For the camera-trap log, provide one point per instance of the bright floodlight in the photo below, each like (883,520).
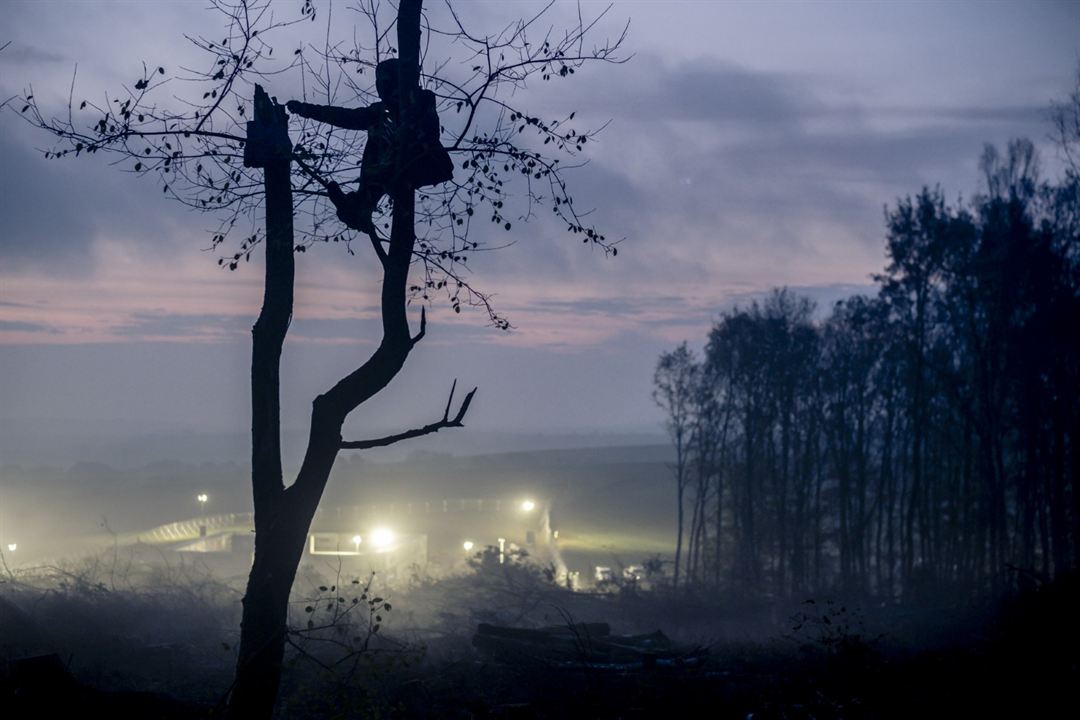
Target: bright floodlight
(381,537)
(12,547)
(528,506)
(202,497)
(468,545)
(356,539)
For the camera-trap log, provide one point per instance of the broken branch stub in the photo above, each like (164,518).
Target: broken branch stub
(268,133)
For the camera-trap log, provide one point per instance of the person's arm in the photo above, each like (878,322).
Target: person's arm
(348,118)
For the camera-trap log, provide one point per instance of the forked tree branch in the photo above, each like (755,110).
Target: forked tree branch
(423,331)
(434,427)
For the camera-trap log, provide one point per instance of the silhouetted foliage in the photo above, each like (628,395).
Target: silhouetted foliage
(187,129)
(922,441)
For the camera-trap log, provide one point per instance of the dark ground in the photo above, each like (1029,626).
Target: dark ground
(160,646)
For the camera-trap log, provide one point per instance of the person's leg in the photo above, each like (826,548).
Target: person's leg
(355,208)
(365,200)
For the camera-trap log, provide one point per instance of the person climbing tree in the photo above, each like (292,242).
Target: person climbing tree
(427,163)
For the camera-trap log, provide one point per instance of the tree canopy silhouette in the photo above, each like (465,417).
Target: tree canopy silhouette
(914,445)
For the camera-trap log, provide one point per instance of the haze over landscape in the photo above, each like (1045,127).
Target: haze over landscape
(770,310)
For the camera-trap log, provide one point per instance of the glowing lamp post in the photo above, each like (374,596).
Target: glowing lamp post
(382,538)
(528,506)
(203,498)
(12,547)
(468,545)
(356,539)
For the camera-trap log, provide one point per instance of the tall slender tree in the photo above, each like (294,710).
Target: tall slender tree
(675,385)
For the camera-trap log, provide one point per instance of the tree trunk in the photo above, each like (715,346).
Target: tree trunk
(680,471)
(283,516)
(265,604)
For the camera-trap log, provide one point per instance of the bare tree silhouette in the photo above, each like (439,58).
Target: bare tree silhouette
(209,155)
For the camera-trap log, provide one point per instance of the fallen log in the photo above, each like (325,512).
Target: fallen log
(584,645)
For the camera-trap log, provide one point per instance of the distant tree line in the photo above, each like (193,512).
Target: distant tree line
(923,440)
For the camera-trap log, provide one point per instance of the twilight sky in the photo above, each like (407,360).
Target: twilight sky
(751,145)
